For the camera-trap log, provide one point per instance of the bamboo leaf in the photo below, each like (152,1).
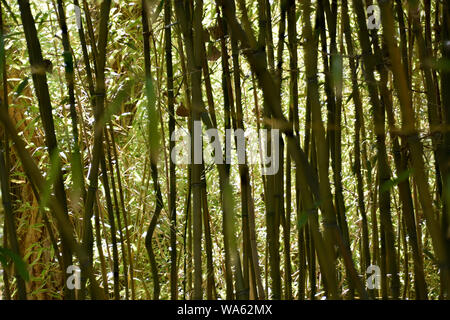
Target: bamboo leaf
(115,105)
(21,266)
(395,181)
(21,86)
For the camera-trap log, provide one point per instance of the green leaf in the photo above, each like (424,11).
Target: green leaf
(22,86)
(302,220)
(116,104)
(395,181)
(304,215)
(20,265)
(3,259)
(441,64)
(68,62)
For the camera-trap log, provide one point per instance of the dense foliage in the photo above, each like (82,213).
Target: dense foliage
(95,207)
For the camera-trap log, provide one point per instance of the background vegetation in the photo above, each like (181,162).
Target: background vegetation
(91,92)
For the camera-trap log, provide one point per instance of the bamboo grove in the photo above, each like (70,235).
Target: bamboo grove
(95,207)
